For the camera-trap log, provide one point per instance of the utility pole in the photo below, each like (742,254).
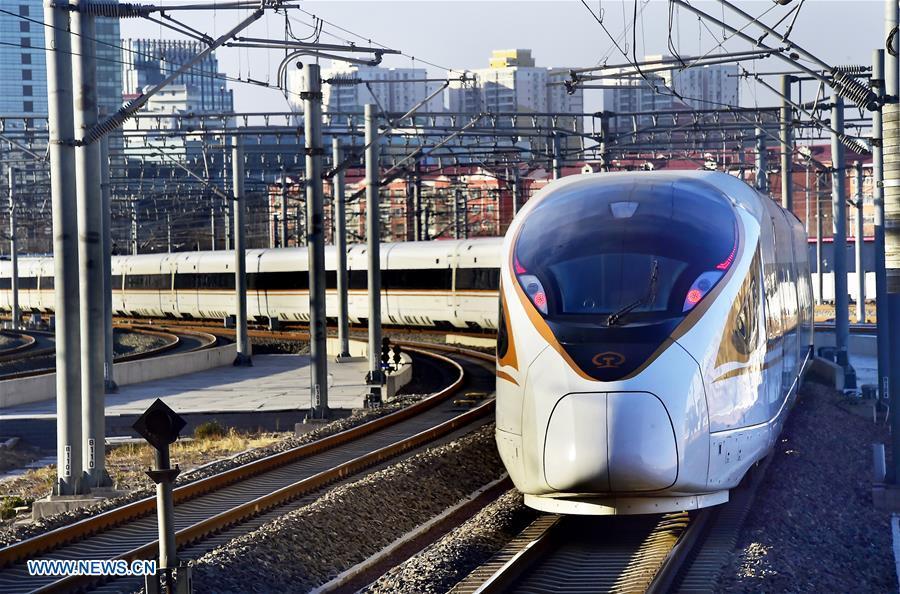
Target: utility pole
(340,245)
(806,200)
(13,250)
(516,191)
(60,100)
(556,163)
(417,203)
(373,239)
(839,244)
(284,209)
(240,257)
(134,228)
(212,226)
(169,233)
(762,175)
(881,309)
(227,203)
(457,220)
(891,148)
(109,381)
(820,228)
(315,230)
(858,245)
(787,145)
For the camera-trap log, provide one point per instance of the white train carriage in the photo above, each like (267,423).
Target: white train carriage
(654,330)
(444,284)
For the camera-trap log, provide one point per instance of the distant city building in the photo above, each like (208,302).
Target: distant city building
(23,67)
(396,90)
(702,87)
(149,61)
(514,83)
(200,90)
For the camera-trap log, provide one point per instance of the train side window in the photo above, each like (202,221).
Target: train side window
(28,282)
(6,283)
(502,332)
(359,279)
(482,279)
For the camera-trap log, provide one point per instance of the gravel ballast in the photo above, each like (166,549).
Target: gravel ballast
(310,546)
(813,527)
(23,531)
(440,566)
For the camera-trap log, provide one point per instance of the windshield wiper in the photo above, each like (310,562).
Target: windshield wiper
(614,318)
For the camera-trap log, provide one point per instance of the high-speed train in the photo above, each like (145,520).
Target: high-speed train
(445,284)
(653,331)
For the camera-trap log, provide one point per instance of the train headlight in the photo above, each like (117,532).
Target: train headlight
(535,291)
(700,288)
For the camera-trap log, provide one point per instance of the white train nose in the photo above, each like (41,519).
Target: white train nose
(632,429)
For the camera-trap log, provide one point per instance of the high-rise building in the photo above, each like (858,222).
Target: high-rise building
(23,67)
(701,87)
(199,90)
(149,61)
(514,83)
(396,90)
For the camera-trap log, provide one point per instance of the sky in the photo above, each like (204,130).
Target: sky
(460,34)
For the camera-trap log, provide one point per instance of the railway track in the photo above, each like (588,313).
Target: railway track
(661,553)
(215,509)
(38,356)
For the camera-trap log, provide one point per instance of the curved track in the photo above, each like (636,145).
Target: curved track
(39,358)
(238,500)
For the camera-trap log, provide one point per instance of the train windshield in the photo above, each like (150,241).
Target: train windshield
(625,254)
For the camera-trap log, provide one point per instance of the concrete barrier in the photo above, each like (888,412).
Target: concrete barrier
(865,345)
(359,350)
(43,387)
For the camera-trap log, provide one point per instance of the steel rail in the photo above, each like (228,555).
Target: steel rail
(69,534)
(28,342)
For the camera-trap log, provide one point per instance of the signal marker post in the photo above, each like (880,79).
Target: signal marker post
(160,426)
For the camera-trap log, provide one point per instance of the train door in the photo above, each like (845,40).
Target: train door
(788,289)
(256,296)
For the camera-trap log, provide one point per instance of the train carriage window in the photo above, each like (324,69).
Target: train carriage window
(359,280)
(291,280)
(47,283)
(148,282)
(28,282)
(6,283)
(482,279)
(417,279)
(204,281)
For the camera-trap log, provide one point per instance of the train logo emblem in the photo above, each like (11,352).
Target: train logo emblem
(608,360)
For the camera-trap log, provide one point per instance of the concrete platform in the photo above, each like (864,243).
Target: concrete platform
(275,382)
(273,395)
